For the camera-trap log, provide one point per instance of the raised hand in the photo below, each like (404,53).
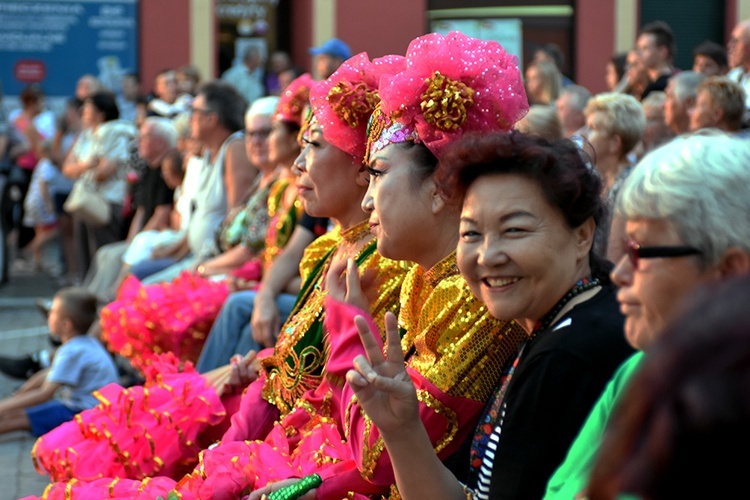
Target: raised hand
(383,387)
(344,284)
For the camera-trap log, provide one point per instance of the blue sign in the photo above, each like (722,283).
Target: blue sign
(56,42)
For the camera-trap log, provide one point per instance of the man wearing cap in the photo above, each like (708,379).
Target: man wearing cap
(328,57)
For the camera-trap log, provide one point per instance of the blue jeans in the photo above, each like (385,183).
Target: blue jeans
(144,269)
(231,333)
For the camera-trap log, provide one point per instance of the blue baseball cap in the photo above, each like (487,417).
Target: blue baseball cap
(333,47)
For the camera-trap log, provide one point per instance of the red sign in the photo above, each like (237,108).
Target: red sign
(29,71)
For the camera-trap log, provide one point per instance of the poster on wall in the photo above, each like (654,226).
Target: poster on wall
(53,43)
(507,32)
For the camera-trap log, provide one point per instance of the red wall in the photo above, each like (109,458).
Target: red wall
(164,37)
(595,28)
(382,27)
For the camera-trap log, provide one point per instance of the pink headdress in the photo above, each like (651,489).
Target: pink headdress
(452,84)
(343,103)
(294,98)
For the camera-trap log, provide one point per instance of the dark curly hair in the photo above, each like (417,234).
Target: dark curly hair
(557,167)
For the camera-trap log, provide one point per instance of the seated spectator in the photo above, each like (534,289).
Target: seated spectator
(710,59)
(223,182)
(738,49)
(657,132)
(615,125)
(80,366)
(541,120)
(153,204)
(680,99)
(719,103)
(570,109)
(685,209)
(688,401)
(278,63)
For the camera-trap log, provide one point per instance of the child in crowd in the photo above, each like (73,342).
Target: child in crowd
(39,206)
(80,366)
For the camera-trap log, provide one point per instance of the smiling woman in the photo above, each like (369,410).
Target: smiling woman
(530,209)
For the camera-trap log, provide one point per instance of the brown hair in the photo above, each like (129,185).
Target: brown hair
(79,306)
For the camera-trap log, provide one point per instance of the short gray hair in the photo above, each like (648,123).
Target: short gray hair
(579,96)
(699,184)
(164,128)
(685,83)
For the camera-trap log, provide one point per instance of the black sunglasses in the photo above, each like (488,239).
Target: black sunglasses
(635,252)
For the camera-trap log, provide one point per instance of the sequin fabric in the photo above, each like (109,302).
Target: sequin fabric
(284,210)
(454,84)
(299,356)
(454,341)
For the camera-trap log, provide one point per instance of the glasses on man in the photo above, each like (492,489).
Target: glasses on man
(262,133)
(636,252)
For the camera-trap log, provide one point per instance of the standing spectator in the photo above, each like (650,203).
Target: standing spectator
(247,76)
(710,58)
(719,103)
(656,48)
(570,108)
(551,52)
(635,80)
(130,92)
(165,101)
(679,99)
(738,49)
(543,82)
(4,170)
(39,207)
(328,57)
(188,79)
(279,62)
(87,85)
(99,155)
(614,71)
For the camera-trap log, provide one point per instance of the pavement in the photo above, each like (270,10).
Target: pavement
(22,330)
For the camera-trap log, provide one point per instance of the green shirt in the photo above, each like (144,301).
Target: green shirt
(572,476)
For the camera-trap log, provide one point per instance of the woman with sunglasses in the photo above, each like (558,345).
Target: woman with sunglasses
(685,208)
(530,210)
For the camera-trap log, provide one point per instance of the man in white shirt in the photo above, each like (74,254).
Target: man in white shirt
(738,49)
(247,77)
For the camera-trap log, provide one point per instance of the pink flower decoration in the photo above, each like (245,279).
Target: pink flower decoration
(343,103)
(455,84)
(293,100)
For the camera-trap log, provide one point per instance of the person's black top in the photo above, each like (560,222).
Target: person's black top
(658,84)
(316,225)
(152,192)
(559,378)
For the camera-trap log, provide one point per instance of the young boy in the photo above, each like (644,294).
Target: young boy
(80,366)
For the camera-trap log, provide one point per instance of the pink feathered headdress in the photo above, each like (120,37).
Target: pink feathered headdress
(294,98)
(343,103)
(452,84)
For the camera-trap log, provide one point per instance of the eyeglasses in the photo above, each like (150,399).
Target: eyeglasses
(262,133)
(635,252)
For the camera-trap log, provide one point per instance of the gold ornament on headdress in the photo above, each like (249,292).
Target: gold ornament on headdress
(306,121)
(445,102)
(352,103)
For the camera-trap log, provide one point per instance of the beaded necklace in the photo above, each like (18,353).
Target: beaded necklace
(545,321)
(494,411)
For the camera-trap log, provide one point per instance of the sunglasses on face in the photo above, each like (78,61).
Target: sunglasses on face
(636,252)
